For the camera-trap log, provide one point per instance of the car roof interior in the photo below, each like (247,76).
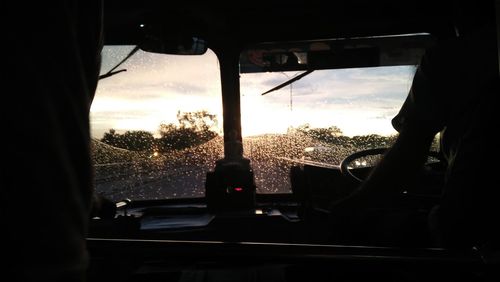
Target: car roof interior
(263,21)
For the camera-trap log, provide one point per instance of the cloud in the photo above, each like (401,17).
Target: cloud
(359,101)
(156,86)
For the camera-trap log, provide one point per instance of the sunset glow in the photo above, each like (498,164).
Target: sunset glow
(155,87)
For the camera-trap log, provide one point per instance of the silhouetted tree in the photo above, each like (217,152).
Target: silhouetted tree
(193,128)
(334,136)
(138,140)
(372,141)
(112,138)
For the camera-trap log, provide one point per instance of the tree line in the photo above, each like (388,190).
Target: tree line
(334,136)
(195,128)
(192,129)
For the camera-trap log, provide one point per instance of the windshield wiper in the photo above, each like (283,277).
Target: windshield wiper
(112,71)
(290,81)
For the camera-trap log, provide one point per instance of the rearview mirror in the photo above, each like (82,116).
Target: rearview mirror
(157,39)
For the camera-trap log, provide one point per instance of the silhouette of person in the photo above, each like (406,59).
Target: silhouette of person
(452,94)
(51,68)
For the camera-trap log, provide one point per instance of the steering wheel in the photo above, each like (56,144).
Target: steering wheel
(344,165)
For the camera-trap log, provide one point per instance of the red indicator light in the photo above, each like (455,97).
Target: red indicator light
(238,189)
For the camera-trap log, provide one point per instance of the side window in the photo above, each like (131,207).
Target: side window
(156,126)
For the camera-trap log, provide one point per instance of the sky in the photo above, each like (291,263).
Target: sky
(156,86)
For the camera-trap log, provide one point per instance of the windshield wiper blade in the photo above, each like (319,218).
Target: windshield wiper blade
(111,72)
(290,81)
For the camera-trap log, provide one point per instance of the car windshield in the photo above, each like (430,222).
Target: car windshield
(156,126)
(319,119)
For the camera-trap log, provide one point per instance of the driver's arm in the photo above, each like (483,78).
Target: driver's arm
(401,163)
(399,166)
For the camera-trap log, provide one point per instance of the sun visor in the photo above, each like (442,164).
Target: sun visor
(335,53)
